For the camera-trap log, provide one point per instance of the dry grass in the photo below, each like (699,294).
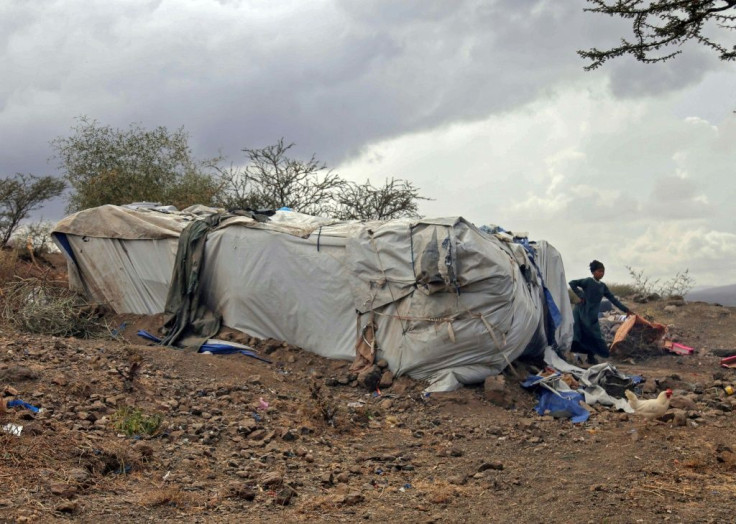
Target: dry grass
(438,491)
(8,265)
(167,496)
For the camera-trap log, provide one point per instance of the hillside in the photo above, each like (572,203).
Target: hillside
(297,440)
(724,295)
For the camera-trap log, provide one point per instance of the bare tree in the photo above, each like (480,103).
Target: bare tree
(272,180)
(21,194)
(661,25)
(395,199)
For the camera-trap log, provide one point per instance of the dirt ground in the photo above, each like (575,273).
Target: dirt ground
(296,440)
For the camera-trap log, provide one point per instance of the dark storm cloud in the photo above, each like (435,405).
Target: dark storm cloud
(330,76)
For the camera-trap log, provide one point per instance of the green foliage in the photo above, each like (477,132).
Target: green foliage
(662,25)
(21,194)
(271,180)
(678,285)
(132,421)
(111,166)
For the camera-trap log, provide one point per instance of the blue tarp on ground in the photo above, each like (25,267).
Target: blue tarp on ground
(214,348)
(559,404)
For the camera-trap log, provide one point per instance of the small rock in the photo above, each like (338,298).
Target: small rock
(458,480)
(386,403)
(283,497)
(369,378)
(290,435)
(343,477)
(258,434)
(327,479)
(382,363)
(494,390)
(79,475)
(243,492)
(682,402)
(494,465)
(387,379)
(272,479)
(271,345)
(67,507)
(352,499)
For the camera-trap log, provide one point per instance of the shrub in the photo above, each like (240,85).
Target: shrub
(132,421)
(105,165)
(678,285)
(35,235)
(37,306)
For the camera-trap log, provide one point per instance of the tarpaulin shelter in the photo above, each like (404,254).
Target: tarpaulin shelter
(438,299)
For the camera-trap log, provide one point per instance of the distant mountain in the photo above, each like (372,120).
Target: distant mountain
(724,295)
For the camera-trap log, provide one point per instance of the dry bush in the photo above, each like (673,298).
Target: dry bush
(109,458)
(8,265)
(34,305)
(325,408)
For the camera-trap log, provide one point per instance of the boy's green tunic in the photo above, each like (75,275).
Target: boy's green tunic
(587,336)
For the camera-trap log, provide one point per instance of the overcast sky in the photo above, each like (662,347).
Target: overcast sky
(482,104)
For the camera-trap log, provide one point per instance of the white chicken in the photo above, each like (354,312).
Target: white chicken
(652,408)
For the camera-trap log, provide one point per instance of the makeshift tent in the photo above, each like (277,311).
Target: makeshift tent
(438,299)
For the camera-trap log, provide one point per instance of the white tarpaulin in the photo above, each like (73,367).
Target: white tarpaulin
(450,303)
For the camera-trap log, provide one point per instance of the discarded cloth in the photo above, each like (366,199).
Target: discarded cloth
(590,380)
(556,399)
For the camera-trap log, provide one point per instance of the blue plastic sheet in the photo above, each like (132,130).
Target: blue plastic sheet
(562,404)
(559,404)
(214,348)
(20,403)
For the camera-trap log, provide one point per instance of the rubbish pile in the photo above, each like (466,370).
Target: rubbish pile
(564,390)
(635,336)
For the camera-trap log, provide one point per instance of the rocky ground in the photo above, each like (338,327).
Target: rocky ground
(133,432)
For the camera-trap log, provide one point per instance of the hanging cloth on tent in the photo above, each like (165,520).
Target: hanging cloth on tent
(185,315)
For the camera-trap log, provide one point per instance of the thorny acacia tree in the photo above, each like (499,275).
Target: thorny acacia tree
(661,25)
(271,180)
(395,199)
(21,194)
(105,165)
